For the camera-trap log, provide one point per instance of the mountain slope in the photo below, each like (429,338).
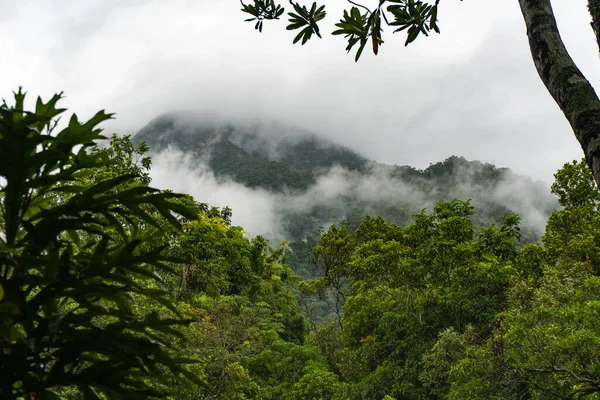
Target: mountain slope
(248,156)
(316,182)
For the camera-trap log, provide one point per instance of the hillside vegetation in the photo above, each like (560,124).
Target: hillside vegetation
(316,183)
(110,289)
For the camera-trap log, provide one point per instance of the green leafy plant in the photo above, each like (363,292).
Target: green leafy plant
(261,10)
(71,268)
(416,16)
(355,28)
(358,27)
(302,17)
(307,20)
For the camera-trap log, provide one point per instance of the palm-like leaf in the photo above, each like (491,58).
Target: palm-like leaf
(71,265)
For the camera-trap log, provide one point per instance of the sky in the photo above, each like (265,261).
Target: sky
(472,91)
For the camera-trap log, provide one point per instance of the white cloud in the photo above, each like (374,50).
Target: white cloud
(264,212)
(472,91)
(253,209)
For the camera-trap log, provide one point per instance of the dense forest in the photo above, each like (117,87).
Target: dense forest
(110,289)
(313,183)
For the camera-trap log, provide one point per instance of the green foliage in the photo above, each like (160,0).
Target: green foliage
(301,164)
(70,265)
(317,384)
(112,289)
(545,344)
(307,20)
(401,288)
(545,347)
(357,28)
(436,308)
(574,186)
(574,232)
(439,359)
(441,309)
(261,10)
(302,17)
(414,16)
(126,159)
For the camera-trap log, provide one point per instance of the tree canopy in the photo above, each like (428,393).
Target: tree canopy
(110,289)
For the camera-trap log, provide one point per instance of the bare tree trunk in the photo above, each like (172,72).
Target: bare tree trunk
(570,89)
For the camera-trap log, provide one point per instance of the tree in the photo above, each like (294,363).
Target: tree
(126,159)
(544,344)
(573,233)
(71,266)
(402,290)
(360,25)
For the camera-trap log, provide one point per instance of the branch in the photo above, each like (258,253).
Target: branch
(360,5)
(553,369)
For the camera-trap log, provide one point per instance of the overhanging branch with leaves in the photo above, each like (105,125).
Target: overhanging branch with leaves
(359,25)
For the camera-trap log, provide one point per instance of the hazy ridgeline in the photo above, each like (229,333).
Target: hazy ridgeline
(286,183)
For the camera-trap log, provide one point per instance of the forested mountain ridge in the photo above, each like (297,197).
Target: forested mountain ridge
(112,289)
(319,182)
(246,155)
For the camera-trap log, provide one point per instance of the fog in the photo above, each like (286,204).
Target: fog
(252,209)
(471,91)
(260,211)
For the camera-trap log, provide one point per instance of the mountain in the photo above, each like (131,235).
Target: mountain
(274,160)
(316,182)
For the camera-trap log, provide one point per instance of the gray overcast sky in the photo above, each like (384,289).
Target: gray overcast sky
(472,91)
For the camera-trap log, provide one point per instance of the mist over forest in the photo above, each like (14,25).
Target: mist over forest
(284,183)
(296,200)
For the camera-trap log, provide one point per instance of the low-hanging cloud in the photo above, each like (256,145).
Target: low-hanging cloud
(253,209)
(471,91)
(263,212)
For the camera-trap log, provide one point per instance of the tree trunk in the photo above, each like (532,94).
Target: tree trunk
(594,8)
(572,92)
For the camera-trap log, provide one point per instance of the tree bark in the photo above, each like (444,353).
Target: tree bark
(570,89)
(594,9)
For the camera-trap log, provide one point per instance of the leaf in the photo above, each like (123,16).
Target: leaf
(412,35)
(106,185)
(306,19)
(262,10)
(363,42)
(71,257)
(433,17)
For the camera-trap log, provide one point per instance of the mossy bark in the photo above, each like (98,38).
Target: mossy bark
(568,86)
(594,8)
